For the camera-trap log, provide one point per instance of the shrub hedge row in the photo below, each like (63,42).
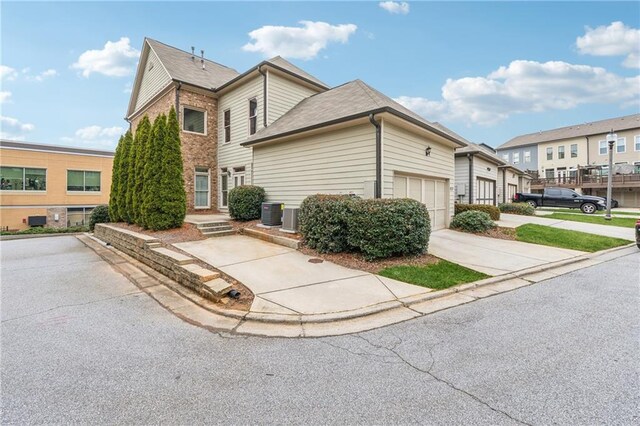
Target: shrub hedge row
(517,208)
(245,202)
(472,221)
(377,228)
(492,211)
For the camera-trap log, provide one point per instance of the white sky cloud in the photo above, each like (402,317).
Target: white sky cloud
(297,42)
(12,128)
(525,87)
(395,7)
(5,97)
(616,39)
(7,73)
(94,137)
(116,59)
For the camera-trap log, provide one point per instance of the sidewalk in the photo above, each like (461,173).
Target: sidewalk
(513,221)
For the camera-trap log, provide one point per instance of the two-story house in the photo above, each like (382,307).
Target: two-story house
(279,127)
(577,157)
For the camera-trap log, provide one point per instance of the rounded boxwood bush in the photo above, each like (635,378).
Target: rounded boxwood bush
(517,208)
(323,222)
(472,221)
(389,227)
(100,214)
(245,202)
(492,211)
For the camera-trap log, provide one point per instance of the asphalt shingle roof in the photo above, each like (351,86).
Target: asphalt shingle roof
(284,64)
(585,129)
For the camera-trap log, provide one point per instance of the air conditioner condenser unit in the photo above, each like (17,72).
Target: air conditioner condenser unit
(290,221)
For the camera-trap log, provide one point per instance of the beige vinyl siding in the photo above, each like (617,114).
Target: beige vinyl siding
(337,162)
(153,81)
(481,170)
(503,185)
(404,153)
(282,95)
(462,179)
(231,154)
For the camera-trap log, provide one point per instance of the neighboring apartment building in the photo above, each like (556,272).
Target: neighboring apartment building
(51,185)
(577,157)
(279,127)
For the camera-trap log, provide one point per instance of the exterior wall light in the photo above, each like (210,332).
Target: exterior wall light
(611,139)
(427,151)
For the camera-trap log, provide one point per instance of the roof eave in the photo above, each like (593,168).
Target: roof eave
(267,63)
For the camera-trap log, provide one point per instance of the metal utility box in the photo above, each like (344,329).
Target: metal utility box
(290,220)
(272,214)
(37,220)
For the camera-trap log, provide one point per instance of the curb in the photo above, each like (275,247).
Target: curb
(27,236)
(196,310)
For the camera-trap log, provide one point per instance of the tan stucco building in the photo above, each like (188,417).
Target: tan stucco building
(51,185)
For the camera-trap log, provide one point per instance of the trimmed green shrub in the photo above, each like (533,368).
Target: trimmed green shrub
(123,180)
(492,211)
(100,214)
(245,202)
(143,133)
(323,222)
(151,205)
(46,230)
(115,182)
(389,227)
(174,197)
(472,221)
(517,208)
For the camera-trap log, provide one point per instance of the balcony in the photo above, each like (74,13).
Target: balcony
(588,181)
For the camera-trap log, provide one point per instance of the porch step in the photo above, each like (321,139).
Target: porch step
(216,228)
(222,233)
(213,224)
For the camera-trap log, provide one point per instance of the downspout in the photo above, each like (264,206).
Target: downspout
(587,138)
(178,99)
(264,96)
(470,157)
(504,186)
(378,192)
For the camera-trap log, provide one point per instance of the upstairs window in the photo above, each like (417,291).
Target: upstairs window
(516,158)
(621,145)
(227,125)
(574,150)
(637,143)
(527,157)
(561,152)
(549,153)
(193,121)
(602,147)
(23,179)
(505,157)
(253,116)
(83,181)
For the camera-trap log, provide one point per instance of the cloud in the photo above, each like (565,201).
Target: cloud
(525,87)
(94,136)
(46,74)
(12,128)
(297,42)
(5,97)
(116,59)
(615,40)
(395,7)
(7,73)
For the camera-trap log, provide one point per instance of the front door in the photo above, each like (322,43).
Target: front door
(238,179)
(202,188)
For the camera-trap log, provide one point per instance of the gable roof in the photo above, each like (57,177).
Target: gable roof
(343,103)
(576,130)
(478,149)
(280,62)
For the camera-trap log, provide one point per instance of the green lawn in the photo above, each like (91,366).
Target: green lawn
(436,276)
(625,222)
(548,236)
(598,212)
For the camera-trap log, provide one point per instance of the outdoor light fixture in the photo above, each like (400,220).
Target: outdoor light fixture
(611,139)
(428,151)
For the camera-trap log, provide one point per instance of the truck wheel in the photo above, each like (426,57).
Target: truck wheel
(588,208)
(532,203)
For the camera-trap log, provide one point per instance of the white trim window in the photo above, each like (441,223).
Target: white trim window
(202,185)
(561,152)
(636,140)
(23,179)
(83,181)
(527,157)
(550,153)
(621,145)
(194,120)
(505,157)
(227,126)
(253,115)
(224,188)
(516,158)
(574,150)
(602,147)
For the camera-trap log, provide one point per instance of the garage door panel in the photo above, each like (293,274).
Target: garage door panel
(399,187)
(433,193)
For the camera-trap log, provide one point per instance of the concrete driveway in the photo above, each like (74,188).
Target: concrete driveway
(285,282)
(513,221)
(493,256)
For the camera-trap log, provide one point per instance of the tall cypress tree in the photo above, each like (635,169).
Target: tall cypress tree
(173,196)
(140,147)
(152,204)
(123,183)
(131,179)
(114,214)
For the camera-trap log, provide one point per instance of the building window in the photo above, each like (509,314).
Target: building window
(527,157)
(574,150)
(83,181)
(23,179)
(78,216)
(253,116)
(549,153)
(224,187)
(505,157)
(549,173)
(561,152)
(621,145)
(516,158)
(602,147)
(194,121)
(227,125)
(202,188)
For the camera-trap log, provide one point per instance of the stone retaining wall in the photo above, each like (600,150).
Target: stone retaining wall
(177,266)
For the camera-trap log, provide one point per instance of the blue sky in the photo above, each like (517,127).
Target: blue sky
(488,70)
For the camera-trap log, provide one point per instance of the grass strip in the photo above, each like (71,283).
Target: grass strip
(563,238)
(625,222)
(598,212)
(437,276)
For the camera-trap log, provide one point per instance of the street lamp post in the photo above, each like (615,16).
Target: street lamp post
(611,139)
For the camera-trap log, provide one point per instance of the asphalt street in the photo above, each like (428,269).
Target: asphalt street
(81,344)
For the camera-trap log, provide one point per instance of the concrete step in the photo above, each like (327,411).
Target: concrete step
(213,224)
(201,274)
(218,286)
(211,234)
(173,256)
(216,228)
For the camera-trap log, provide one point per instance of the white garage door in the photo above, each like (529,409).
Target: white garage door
(432,192)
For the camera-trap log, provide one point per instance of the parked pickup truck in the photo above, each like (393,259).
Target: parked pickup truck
(562,197)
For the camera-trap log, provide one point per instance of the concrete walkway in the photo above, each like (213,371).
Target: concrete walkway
(513,221)
(493,256)
(285,282)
